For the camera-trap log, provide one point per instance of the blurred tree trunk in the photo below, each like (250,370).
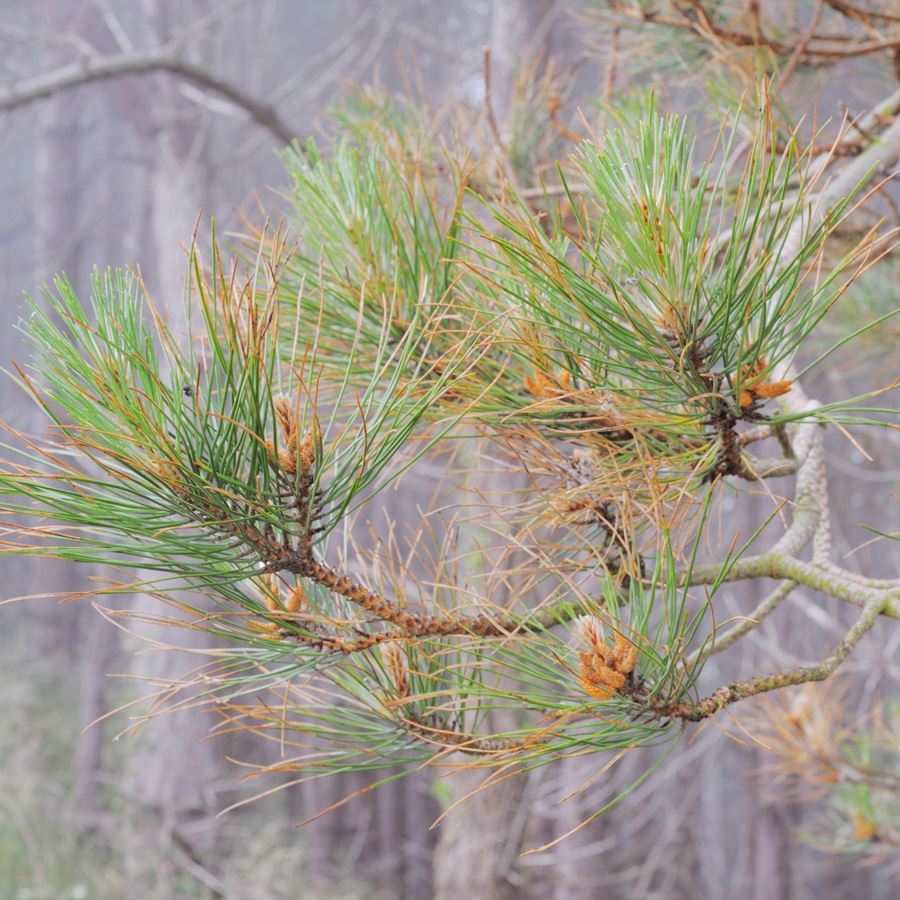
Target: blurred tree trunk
(87,641)
(56,244)
(521,36)
(99,648)
(387,833)
(479,841)
(56,202)
(174,765)
(771,851)
(479,845)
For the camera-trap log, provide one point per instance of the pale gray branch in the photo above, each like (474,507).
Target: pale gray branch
(809,524)
(763,609)
(876,159)
(832,582)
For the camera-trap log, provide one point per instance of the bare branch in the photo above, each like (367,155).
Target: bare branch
(809,524)
(759,469)
(102,68)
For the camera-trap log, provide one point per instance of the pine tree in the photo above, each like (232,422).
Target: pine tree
(624,328)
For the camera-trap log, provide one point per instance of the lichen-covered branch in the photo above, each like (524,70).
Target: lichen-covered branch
(833,582)
(809,524)
(741,690)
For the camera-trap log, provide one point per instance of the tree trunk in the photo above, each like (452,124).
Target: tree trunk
(479,843)
(174,765)
(80,640)
(520,37)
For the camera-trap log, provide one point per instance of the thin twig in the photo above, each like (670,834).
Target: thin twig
(832,582)
(763,609)
(489,104)
(609,79)
(802,44)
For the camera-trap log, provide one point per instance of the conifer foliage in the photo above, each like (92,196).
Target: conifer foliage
(624,333)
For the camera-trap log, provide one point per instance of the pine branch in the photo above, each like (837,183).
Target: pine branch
(418,624)
(809,523)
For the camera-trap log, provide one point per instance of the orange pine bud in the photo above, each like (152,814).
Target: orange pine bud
(598,692)
(285,414)
(544,387)
(296,599)
(272,596)
(395,660)
(537,386)
(604,670)
(592,690)
(863,828)
(626,654)
(306,452)
(608,677)
(589,628)
(287,461)
(772,389)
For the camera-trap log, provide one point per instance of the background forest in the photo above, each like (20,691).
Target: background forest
(180,121)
